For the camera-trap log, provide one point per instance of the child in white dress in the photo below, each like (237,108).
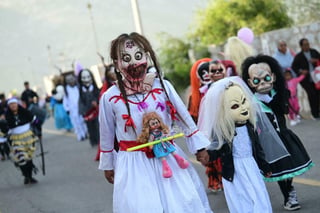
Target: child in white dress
(139,186)
(232,123)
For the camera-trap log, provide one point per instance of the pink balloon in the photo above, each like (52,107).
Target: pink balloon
(246,35)
(77,68)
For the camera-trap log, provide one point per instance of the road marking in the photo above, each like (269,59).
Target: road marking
(56,132)
(306,181)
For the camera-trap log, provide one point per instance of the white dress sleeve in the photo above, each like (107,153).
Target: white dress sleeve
(107,134)
(194,138)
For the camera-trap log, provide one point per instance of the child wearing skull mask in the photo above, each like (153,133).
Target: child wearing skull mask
(88,104)
(264,76)
(71,105)
(235,128)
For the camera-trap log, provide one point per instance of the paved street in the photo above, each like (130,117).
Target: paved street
(73,184)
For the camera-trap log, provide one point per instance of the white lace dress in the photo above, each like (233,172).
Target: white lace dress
(139,186)
(247,193)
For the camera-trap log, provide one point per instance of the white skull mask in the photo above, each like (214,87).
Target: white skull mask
(86,78)
(133,62)
(261,78)
(203,73)
(237,104)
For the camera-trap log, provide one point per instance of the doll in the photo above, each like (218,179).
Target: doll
(231,124)
(264,76)
(155,129)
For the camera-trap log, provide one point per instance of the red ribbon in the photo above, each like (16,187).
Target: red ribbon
(129,122)
(173,110)
(117,97)
(157,90)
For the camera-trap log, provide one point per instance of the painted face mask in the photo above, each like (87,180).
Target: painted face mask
(237,104)
(261,78)
(71,80)
(133,62)
(86,78)
(217,71)
(203,73)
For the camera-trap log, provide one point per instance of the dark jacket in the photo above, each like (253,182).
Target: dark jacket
(28,95)
(3,127)
(23,117)
(300,62)
(227,158)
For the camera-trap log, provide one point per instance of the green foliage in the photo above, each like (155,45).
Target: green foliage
(303,11)
(222,19)
(213,25)
(175,61)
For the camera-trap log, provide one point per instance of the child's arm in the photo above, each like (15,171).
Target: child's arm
(300,78)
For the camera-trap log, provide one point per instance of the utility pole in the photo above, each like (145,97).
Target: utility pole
(136,16)
(89,6)
(50,62)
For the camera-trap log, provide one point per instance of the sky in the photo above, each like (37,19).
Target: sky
(37,35)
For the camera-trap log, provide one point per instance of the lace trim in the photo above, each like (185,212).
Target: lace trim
(291,175)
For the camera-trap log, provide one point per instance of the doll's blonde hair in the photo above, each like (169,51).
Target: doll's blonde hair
(237,51)
(144,136)
(223,124)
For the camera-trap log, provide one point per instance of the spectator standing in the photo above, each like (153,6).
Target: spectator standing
(284,56)
(304,63)
(28,95)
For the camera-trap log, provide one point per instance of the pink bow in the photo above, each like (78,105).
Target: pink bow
(161,106)
(142,105)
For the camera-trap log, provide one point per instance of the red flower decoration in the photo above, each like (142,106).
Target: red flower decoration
(172,110)
(129,122)
(157,91)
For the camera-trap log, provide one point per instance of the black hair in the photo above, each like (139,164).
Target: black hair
(95,87)
(279,85)
(301,41)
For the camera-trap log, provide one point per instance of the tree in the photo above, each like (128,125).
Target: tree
(175,61)
(222,19)
(303,11)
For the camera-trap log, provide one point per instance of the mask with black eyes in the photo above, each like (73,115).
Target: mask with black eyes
(237,105)
(203,73)
(133,62)
(261,78)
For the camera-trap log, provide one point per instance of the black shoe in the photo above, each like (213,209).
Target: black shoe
(33,181)
(292,206)
(26,180)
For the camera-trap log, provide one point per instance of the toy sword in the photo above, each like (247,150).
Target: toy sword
(155,142)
